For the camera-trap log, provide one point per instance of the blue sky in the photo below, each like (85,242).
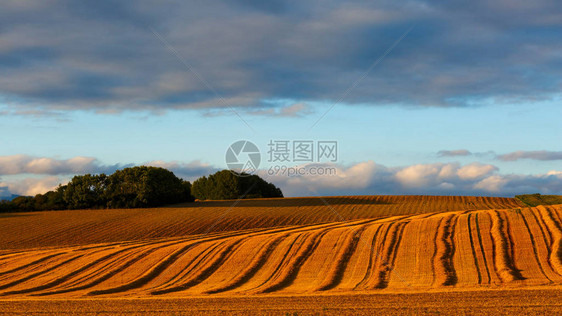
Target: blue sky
(93,87)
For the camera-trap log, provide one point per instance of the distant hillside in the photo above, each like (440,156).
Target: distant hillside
(539,199)
(440,251)
(81,227)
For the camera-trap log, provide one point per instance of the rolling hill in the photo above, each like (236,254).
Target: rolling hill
(425,249)
(392,254)
(82,227)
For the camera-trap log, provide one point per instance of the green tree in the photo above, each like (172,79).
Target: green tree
(87,191)
(145,187)
(23,203)
(225,185)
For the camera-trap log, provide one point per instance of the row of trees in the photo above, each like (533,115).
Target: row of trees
(127,188)
(142,187)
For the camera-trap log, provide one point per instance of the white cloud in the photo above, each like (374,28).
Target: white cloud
(24,164)
(365,177)
(437,178)
(419,175)
(475,171)
(492,183)
(28,175)
(33,186)
(188,171)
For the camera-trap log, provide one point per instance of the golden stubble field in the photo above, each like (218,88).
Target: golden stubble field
(405,254)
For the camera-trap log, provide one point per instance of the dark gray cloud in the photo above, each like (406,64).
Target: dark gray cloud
(543,155)
(102,55)
(454,153)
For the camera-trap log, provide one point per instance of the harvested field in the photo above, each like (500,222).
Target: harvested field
(505,259)
(488,302)
(449,250)
(58,228)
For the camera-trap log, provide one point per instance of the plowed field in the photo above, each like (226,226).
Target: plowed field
(342,247)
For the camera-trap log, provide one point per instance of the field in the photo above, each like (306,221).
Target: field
(301,254)
(57,228)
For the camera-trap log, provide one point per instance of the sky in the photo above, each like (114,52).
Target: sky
(421,97)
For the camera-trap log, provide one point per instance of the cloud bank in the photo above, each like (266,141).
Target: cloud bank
(454,153)
(26,175)
(436,178)
(103,56)
(29,175)
(24,164)
(541,155)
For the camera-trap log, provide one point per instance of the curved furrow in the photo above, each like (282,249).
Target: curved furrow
(185,265)
(319,264)
(534,243)
(31,265)
(445,273)
(101,266)
(186,271)
(40,273)
(289,273)
(150,274)
(110,268)
(555,230)
(188,264)
(414,263)
(482,251)
(387,263)
(170,259)
(19,258)
(206,270)
(257,263)
(283,259)
(383,260)
(69,275)
(276,263)
(103,276)
(470,233)
(502,245)
(359,261)
(377,244)
(335,275)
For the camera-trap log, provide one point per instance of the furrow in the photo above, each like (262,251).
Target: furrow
(556,232)
(206,271)
(67,276)
(289,274)
(336,273)
(444,267)
(148,275)
(503,258)
(472,247)
(256,264)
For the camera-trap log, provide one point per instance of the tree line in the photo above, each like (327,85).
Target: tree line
(139,187)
